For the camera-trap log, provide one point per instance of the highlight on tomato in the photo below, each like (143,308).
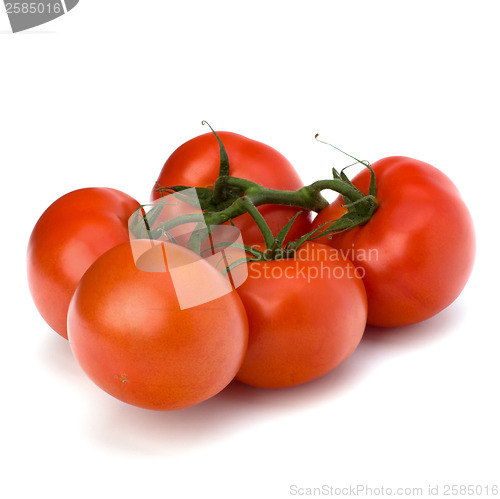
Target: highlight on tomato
(69,236)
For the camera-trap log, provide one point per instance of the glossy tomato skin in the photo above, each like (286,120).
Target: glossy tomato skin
(70,235)
(417,251)
(196,164)
(130,336)
(306,316)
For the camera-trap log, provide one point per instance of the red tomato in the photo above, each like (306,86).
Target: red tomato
(130,336)
(196,164)
(306,315)
(73,232)
(417,251)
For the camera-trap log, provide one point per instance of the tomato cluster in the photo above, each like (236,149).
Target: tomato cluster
(306,298)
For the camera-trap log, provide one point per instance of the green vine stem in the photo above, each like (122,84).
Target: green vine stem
(233,197)
(360,208)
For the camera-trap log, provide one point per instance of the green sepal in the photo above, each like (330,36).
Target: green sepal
(335,173)
(224,159)
(280,238)
(152,215)
(347,221)
(198,235)
(205,197)
(142,226)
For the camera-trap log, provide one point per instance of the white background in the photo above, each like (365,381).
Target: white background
(102,96)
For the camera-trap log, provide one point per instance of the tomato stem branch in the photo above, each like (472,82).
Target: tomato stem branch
(252,210)
(249,195)
(233,196)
